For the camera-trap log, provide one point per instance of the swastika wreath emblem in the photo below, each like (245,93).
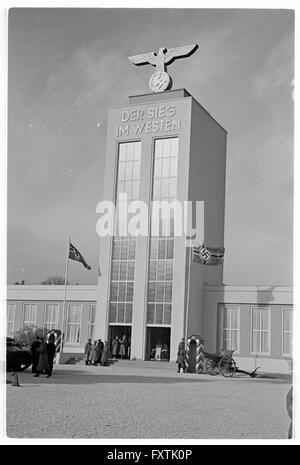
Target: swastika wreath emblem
(205,254)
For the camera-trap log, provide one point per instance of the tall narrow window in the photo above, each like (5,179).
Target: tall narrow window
(230,328)
(160,275)
(73,323)
(124,247)
(91,322)
(51,316)
(29,315)
(260,328)
(10,319)
(287,331)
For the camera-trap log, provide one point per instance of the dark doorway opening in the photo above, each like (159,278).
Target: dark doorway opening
(158,343)
(119,331)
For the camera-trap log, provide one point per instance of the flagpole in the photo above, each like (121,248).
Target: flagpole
(188,292)
(65,297)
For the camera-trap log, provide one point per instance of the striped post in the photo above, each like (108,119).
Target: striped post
(187,354)
(201,356)
(199,366)
(57,342)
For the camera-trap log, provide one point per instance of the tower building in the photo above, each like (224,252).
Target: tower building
(161,146)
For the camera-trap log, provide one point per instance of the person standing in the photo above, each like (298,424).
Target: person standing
(99,349)
(123,347)
(94,354)
(43,364)
(51,349)
(115,347)
(104,358)
(35,354)
(87,352)
(181,355)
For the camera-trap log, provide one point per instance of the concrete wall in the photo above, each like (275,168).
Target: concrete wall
(147,118)
(207,173)
(276,298)
(213,297)
(42,295)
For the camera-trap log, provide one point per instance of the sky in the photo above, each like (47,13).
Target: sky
(67,67)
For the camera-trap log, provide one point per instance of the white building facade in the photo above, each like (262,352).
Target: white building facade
(255,322)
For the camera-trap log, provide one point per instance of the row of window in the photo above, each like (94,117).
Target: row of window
(51,319)
(160,281)
(161,259)
(159,313)
(124,248)
(260,329)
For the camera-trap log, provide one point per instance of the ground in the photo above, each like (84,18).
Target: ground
(140,400)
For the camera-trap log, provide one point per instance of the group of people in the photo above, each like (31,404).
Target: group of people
(96,353)
(43,353)
(120,347)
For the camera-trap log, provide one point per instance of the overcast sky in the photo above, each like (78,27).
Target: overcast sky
(67,67)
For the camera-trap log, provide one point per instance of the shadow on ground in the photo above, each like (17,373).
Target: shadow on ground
(81,377)
(283,377)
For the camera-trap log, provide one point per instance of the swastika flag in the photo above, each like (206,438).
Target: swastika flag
(208,255)
(74,254)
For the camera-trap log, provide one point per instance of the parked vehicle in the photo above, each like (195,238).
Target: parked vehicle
(18,357)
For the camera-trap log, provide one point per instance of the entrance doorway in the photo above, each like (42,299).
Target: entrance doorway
(119,331)
(158,343)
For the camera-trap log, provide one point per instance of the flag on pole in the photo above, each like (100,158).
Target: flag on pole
(208,255)
(74,254)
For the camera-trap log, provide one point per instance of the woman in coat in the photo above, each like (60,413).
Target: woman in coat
(35,354)
(94,354)
(99,350)
(123,347)
(43,364)
(115,347)
(51,349)
(87,352)
(104,358)
(181,355)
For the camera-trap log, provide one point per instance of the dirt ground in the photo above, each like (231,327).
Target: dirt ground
(140,400)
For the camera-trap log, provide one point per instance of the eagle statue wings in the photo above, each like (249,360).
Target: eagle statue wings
(163,57)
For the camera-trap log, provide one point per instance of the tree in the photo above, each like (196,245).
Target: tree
(26,336)
(55,280)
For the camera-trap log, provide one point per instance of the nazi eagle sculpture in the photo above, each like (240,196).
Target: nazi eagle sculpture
(161,80)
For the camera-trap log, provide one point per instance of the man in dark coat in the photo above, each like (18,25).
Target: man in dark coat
(99,350)
(43,364)
(35,354)
(181,354)
(115,347)
(104,358)
(51,349)
(87,351)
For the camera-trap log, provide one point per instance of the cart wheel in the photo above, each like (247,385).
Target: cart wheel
(227,367)
(212,367)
